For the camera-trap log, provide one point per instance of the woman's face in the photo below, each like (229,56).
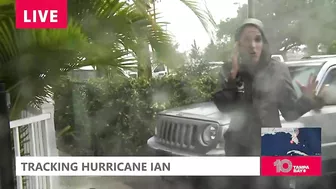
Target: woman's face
(251,44)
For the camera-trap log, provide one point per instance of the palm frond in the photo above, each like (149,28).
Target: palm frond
(31,60)
(204,16)
(103,33)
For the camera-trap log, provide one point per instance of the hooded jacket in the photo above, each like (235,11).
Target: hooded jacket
(256,95)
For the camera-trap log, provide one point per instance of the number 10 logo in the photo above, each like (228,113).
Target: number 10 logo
(279,164)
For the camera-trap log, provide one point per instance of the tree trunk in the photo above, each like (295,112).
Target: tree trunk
(148,68)
(6,158)
(144,64)
(251,13)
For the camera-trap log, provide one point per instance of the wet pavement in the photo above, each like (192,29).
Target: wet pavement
(93,182)
(118,183)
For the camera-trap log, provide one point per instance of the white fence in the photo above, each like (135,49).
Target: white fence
(34,135)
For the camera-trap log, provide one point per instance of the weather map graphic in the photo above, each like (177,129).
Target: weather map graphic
(291,142)
(291,151)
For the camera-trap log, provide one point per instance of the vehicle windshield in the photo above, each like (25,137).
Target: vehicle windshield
(159,68)
(301,74)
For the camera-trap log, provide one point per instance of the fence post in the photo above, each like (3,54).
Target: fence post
(50,134)
(6,156)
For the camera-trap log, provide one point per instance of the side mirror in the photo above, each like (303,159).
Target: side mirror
(328,94)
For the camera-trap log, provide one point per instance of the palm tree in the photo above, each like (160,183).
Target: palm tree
(204,17)
(32,59)
(103,33)
(123,25)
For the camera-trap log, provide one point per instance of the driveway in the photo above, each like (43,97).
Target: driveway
(118,183)
(85,182)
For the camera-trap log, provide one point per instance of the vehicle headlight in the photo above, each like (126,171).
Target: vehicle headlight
(209,134)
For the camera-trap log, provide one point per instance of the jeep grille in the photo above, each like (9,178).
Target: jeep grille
(179,132)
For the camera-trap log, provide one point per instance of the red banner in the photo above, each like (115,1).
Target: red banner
(291,166)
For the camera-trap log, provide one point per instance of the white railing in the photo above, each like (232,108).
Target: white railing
(34,135)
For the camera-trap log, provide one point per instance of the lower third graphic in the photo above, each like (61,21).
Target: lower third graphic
(286,166)
(291,151)
(291,166)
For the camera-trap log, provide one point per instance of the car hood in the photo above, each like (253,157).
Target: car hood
(203,111)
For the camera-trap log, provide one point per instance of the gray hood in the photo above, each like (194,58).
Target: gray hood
(250,21)
(202,111)
(265,57)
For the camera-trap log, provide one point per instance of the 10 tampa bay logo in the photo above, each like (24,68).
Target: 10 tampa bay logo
(291,166)
(286,166)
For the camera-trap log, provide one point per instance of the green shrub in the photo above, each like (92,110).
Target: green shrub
(116,117)
(332,48)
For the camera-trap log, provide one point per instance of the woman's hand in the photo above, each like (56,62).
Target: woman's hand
(235,59)
(310,89)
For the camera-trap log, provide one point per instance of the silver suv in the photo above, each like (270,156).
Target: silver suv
(198,129)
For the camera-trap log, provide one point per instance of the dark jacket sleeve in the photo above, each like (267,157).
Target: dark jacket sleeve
(226,95)
(290,105)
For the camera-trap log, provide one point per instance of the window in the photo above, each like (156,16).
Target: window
(330,87)
(160,68)
(301,74)
(331,78)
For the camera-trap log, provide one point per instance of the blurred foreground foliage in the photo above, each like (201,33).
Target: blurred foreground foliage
(116,116)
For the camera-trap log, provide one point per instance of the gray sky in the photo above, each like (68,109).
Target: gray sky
(185,26)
